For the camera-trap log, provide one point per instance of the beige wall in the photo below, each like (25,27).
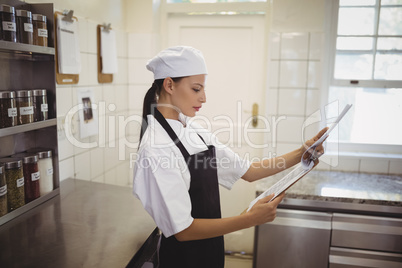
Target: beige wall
(296,15)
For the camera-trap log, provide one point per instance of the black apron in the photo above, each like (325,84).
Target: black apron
(205,202)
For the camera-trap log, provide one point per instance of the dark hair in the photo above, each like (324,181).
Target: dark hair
(150,101)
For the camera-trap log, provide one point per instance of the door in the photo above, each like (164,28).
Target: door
(234,50)
(296,238)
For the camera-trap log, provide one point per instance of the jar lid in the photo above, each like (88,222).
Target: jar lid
(7,94)
(39,17)
(23,13)
(11,162)
(39,92)
(24,93)
(7,8)
(45,154)
(30,159)
(27,158)
(41,152)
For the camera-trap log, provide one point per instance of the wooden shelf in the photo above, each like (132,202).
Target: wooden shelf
(27,127)
(25,48)
(13,214)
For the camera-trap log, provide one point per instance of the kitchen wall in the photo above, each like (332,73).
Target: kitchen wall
(100,163)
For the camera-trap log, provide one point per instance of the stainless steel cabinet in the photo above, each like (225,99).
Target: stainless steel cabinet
(353,258)
(365,241)
(295,239)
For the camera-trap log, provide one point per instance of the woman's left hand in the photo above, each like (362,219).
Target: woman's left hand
(320,148)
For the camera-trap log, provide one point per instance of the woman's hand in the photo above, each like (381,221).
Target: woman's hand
(262,211)
(320,148)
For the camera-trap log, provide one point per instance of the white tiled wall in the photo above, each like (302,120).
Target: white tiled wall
(101,163)
(295,83)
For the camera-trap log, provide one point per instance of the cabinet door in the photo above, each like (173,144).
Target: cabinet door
(347,258)
(367,232)
(294,239)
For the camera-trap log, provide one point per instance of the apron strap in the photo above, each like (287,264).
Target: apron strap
(159,117)
(202,139)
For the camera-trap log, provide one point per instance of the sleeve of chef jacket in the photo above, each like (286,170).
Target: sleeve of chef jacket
(163,193)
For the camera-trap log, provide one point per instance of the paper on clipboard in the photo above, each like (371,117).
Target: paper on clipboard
(108,52)
(68,47)
(301,169)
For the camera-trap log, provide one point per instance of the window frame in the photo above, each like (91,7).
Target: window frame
(331,29)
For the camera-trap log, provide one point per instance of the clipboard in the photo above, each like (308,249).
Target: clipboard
(62,79)
(102,78)
(301,169)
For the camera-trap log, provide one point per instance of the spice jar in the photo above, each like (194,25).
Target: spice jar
(15,183)
(9,28)
(25,107)
(31,175)
(3,192)
(40,30)
(45,165)
(40,105)
(24,26)
(8,109)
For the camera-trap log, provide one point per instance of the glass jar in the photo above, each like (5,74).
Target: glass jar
(24,26)
(31,175)
(40,30)
(3,192)
(40,105)
(45,165)
(25,107)
(8,109)
(8,25)
(15,183)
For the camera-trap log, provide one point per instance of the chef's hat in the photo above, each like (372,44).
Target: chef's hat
(177,61)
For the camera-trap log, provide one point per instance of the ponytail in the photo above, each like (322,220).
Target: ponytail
(150,99)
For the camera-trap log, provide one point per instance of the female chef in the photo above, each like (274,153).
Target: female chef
(180,166)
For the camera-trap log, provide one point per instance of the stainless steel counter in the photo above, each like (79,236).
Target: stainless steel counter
(87,225)
(358,193)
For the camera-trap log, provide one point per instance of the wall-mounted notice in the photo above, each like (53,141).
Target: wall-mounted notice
(108,51)
(68,48)
(88,115)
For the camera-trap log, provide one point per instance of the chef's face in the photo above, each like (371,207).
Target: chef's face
(189,94)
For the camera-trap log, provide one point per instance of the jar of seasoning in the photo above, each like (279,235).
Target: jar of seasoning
(1,23)
(3,192)
(8,109)
(31,175)
(24,26)
(9,27)
(25,107)
(40,105)
(15,183)
(45,165)
(40,30)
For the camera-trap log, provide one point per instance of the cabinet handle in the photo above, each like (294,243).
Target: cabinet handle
(304,223)
(369,228)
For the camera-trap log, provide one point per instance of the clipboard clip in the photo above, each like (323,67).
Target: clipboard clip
(68,15)
(106,27)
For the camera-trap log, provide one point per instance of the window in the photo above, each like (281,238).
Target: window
(366,70)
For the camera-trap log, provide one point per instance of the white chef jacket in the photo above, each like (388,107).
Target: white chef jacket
(161,176)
